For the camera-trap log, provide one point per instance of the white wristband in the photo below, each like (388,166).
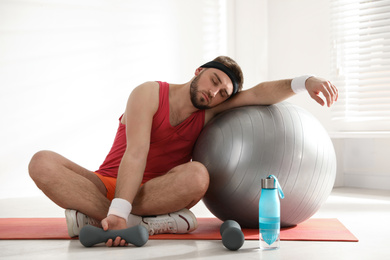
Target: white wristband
(120,207)
(298,83)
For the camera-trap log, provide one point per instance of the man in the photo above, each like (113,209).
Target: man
(148,174)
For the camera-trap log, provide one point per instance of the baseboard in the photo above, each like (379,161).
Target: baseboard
(367,181)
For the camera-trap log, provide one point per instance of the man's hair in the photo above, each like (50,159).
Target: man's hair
(234,67)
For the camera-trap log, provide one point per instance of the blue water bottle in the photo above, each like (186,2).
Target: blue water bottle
(269,213)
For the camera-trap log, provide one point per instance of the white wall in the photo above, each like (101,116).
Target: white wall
(365,161)
(68,67)
(298,44)
(251,39)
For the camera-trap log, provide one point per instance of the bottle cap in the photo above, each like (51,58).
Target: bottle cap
(268,183)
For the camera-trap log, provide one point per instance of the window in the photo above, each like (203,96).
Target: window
(361,64)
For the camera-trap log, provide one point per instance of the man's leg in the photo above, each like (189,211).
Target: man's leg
(69,185)
(161,204)
(182,187)
(72,186)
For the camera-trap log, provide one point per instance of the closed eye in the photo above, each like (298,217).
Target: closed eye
(223,93)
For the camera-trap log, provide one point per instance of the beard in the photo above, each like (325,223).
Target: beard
(194,93)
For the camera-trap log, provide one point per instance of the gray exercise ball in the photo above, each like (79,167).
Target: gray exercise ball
(244,145)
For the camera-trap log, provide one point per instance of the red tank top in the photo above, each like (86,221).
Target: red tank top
(170,145)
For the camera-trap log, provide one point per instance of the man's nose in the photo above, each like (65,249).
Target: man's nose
(213,93)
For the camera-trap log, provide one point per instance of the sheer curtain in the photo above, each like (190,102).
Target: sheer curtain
(361,64)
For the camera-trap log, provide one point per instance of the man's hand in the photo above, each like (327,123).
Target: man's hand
(115,223)
(316,86)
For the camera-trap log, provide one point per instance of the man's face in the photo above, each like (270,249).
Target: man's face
(210,88)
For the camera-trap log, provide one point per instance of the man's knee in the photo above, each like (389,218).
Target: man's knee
(40,165)
(199,177)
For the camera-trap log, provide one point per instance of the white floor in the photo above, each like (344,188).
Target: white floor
(366,213)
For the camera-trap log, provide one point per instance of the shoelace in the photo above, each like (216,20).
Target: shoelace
(85,220)
(93,222)
(160,227)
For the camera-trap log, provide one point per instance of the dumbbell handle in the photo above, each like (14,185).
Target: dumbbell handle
(90,235)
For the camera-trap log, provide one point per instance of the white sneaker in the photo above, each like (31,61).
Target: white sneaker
(180,222)
(75,220)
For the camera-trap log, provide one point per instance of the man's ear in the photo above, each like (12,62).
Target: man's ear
(198,70)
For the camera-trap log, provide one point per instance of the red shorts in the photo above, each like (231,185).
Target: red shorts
(110,183)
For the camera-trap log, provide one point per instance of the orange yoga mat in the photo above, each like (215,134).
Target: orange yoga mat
(208,229)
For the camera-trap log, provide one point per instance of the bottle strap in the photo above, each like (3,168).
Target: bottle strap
(281,194)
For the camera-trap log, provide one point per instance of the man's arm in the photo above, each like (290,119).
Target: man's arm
(268,93)
(141,106)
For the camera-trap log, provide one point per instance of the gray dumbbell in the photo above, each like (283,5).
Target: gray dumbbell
(90,235)
(232,236)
